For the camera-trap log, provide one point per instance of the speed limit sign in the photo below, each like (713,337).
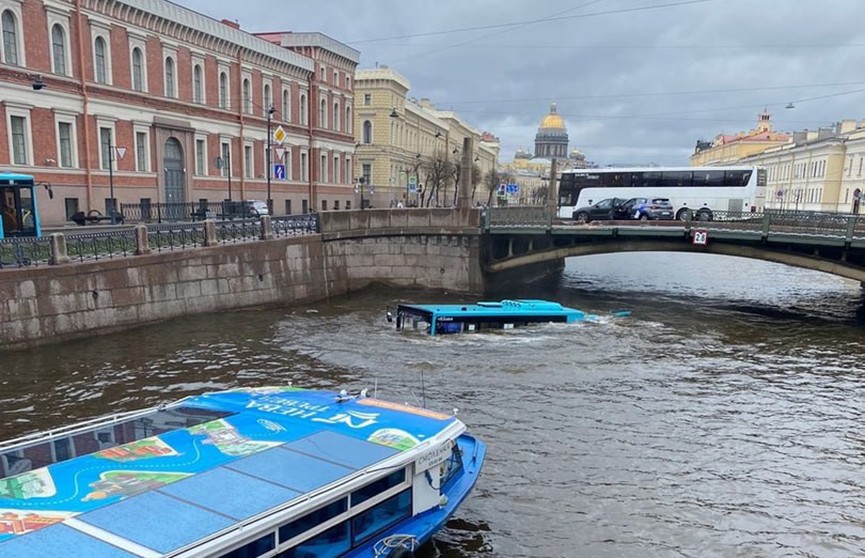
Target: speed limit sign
(701,237)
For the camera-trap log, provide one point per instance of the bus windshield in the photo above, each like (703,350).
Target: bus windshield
(18,206)
(691,190)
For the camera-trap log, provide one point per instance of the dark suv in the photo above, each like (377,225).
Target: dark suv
(605,210)
(646,209)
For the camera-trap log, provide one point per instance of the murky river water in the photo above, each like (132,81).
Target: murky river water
(723,418)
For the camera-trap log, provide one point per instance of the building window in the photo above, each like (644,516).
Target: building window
(303,109)
(247,96)
(367,132)
(226,159)
(10,38)
(324,205)
(247,160)
(223,90)
(336,169)
(367,99)
(198,84)
(323,169)
(137,69)
(170,84)
(286,105)
(336,116)
(335,77)
(200,156)
(288,207)
(322,114)
(105,146)
(64,144)
(304,167)
(267,100)
(141,151)
(336,205)
(348,122)
(100,56)
(58,49)
(348,86)
(347,205)
(348,170)
(367,174)
(18,131)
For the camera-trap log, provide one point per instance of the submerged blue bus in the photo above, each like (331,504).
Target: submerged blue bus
(18,206)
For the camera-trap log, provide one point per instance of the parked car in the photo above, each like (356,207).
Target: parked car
(646,209)
(605,210)
(256,208)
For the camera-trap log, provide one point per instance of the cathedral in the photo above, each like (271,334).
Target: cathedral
(552,137)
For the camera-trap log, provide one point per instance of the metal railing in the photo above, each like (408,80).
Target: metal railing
(122,242)
(185,211)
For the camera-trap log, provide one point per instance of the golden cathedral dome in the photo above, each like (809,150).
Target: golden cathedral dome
(553,120)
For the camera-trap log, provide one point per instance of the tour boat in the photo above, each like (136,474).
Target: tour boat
(506,314)
(246,473)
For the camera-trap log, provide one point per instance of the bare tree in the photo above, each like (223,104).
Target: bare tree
(438,170)
(477,178)
(491,183)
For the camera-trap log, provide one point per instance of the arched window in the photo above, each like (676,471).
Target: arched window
(336,116)
(286,105)
(322,114)
(197,84)
(303,110)
(10,37)
(223,90)
(367,131)
(247,96)
(100,55)
(349,125)
(170,90)
(137,69)
(267,100)
(58,49)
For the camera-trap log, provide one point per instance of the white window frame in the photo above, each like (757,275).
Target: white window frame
(15,8)
(322,114)
(349,171)
(20,111)
(322,166)
(141,129)
(201,138)
(102,122)
(225,103)
(336,168)
(304,104)
(97,30)
(63,22)
(138,41)
(286,160)
(336,115)
(266,91)
(286,104)
(248,162)
(246,102)
(348,83)
(67,118)
(174,81)
(304,165)
(223,141)
(336,78)
(349,120)
(199,63)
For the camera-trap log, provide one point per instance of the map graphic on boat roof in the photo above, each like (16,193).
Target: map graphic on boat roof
(233,456)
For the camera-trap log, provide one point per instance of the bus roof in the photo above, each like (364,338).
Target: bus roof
(657,169)
(10,177)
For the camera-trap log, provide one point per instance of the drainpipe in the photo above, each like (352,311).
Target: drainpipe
(313,201)
(84,105)
(241,108)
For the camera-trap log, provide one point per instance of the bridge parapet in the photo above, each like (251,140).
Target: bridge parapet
(398,219)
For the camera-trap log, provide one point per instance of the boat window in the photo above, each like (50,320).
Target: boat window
(106,437)
(378,518)
(375,488)
(329,544)
(452,466)
(254,549)
(312,519)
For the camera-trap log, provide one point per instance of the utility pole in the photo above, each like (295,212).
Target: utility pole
(270,111)
(111,178)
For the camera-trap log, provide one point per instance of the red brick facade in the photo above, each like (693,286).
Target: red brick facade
(74,165)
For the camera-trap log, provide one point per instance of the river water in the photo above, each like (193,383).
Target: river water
(723,418)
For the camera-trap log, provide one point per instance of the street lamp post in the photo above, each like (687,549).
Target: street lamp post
(111,178)
(270,111)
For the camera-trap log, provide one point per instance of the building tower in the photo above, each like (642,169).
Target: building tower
(552,137)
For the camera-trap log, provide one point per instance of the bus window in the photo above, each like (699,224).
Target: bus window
(677,179)
(9,214)
(708,178)
(738,178)
(652,179)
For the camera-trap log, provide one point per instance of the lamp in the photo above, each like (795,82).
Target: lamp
(37,84)
(455,151)
(394,113)
(438,135)
(270,111)
(477,158)
(417,156)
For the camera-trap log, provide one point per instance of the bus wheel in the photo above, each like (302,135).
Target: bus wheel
(685,215)
(704,215)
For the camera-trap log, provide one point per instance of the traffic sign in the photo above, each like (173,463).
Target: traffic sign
(280,153)
(701,237)
(279,135)
(121,151)
(279,171)
(412,184)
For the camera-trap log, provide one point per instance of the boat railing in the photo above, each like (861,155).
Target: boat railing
(386,546)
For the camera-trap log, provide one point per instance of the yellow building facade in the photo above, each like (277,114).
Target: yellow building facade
(396,135)
(727,149)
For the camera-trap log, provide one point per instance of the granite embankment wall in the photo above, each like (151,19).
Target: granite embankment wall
(426,248)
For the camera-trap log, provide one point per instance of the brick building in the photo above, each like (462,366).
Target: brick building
(179,99)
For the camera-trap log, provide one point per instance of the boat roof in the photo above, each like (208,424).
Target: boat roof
(527,307)
(246,453)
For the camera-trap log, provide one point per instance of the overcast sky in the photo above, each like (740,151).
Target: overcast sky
(637,81)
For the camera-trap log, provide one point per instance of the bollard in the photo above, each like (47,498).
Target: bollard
(266,228)
(58,249)
(210,232)
(142,241)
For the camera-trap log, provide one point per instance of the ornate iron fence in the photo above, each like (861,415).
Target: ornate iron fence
(175,236)
(295,224)
(101,245)
(23,252)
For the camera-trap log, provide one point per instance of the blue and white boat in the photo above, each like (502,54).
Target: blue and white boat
(505,314)
(247,473)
